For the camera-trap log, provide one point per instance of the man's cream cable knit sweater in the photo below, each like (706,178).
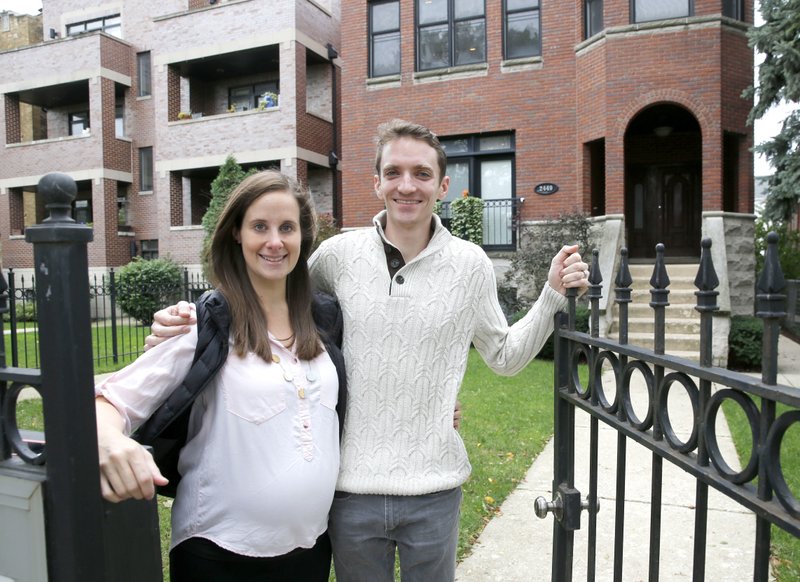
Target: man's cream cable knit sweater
(406,342)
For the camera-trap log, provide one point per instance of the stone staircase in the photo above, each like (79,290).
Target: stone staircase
(682,320)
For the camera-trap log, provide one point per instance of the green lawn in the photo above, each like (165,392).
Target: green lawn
(785,547)
(130,339)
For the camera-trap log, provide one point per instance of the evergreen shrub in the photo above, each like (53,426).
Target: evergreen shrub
(144,287)
(744,343)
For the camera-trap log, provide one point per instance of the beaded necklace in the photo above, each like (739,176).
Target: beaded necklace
(310,375)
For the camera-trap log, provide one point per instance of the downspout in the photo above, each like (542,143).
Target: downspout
(333,155)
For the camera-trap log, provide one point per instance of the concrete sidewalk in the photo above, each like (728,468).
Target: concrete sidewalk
(516,546)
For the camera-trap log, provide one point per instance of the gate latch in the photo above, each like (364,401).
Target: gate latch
(566,507)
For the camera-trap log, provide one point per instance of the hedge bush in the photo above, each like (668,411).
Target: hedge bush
(144,287)
(744,343)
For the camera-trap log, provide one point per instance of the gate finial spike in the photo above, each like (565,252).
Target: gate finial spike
(624,278)
(660,278)
(770,302)
(706,279)
(58,191)
(595,278)
(659,281)
(771,279)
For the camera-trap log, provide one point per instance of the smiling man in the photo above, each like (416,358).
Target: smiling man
(414,298)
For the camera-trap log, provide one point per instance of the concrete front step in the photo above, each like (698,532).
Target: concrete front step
(688,343)
(688,270)
(682,321)
(672,311)
(680,325)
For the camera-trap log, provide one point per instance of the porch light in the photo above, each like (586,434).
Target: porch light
(662,130)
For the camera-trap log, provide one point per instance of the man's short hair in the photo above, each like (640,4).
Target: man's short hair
(397,128)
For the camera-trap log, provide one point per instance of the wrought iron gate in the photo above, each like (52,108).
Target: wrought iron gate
(759,487)
(84,537)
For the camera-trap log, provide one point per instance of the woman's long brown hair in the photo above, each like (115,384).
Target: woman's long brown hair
(229,273)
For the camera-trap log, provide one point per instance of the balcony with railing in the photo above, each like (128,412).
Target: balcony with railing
(500,222)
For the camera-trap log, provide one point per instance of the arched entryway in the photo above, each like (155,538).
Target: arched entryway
(663,182)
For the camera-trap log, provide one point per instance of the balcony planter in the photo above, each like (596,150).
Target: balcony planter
(267,100)
(185,115)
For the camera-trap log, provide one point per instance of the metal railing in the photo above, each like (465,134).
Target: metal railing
(77,535)
(770,409)
(793,301)
(500,220)
(117,337)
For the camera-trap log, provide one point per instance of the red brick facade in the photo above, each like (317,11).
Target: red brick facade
(578,97)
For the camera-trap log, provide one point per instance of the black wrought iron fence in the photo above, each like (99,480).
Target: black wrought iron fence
(500,221)
(117,337)
(793,301)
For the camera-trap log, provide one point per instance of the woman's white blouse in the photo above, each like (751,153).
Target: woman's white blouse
(262,456)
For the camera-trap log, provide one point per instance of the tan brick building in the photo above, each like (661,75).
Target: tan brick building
(143,101)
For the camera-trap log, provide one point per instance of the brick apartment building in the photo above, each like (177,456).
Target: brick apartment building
(141,103)
(627,110)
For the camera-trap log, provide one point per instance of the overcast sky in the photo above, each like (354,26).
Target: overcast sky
(765,128)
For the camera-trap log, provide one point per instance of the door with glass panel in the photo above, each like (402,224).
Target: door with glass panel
(663,205)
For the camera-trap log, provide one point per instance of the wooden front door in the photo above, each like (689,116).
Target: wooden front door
(663,206)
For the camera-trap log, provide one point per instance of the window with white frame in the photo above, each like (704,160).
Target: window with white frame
(522,34)
(450,33)
(384,38)
(647,10)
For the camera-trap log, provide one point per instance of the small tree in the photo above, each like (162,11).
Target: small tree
(531,264)
(144,287)
(779,81)
(230,175)
(788,246)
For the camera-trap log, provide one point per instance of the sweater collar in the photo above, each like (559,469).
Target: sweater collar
(439,238)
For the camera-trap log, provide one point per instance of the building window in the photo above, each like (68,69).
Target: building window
(143,71)
(123,210)
(108,24)
(733,9)
(82,207)
(593,17)
(79,123)
(522,29)
(146,169)
(384,38)
(483,166)
(647,10)
(248,97)
(149,249)
(450,33)
(6,22)
(119,121)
